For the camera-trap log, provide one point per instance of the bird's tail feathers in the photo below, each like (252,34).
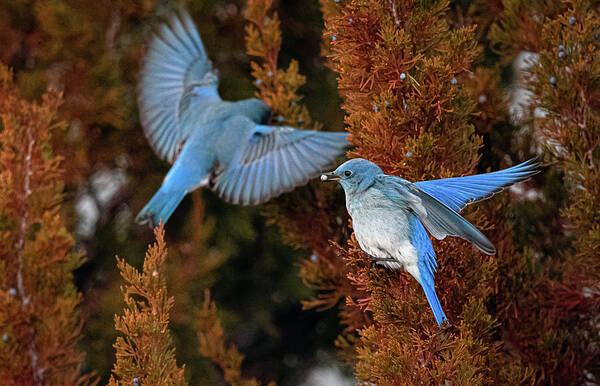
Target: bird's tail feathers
(160,207)
(434,303)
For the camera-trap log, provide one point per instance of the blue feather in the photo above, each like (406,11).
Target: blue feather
(388,212)
(434,303)
(458,192)
(176,73)
(427,267)
(160,207)
(221,145)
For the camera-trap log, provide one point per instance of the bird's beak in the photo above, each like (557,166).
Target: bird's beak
(330,177)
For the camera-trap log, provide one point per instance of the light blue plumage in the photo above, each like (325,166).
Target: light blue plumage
(390,215)
(225,146)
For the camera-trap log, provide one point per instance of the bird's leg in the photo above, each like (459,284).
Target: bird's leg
(375,260)
(381,262)
(381,259)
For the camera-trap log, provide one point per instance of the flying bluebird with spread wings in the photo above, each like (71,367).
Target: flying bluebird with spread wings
(390,215)
(225,146)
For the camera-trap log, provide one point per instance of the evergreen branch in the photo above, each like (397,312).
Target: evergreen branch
(38,373)
(401,70)
(146,354)
(558,304)
(296,214)
(307,220)
(277,87)
(39,315)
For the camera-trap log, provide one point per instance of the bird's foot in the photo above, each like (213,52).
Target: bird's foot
(385,262)
(376,260)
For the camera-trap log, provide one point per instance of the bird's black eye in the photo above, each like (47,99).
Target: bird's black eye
(347,173)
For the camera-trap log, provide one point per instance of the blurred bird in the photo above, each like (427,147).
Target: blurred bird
(225,146)
(390,215)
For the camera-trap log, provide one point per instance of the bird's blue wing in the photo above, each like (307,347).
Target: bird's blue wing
(275,160)
(176,73)
(439,219)
(458,192)
(427,267)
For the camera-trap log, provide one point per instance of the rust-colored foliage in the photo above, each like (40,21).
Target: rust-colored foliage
(408,91)
(520,25)
(212,345)
(40,324)
(555,321)
(277,88)
(309,217)
(145,354)
(402,74)
(193,263)
(87,50)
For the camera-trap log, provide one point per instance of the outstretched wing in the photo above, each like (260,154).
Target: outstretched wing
(176,73)
(440,220)
(276,160)
(458,192)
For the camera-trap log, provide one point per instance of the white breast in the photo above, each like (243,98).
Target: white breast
(383,233)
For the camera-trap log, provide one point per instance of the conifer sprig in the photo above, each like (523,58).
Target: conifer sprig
(145,354)
(403,71)
(277,87)
(40,324)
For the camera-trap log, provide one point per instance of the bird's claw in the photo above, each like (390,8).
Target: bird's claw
(379,260)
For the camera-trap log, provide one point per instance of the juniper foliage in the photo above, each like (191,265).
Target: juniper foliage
(145,353)
(40,322)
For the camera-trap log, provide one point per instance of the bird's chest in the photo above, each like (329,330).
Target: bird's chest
(382,229)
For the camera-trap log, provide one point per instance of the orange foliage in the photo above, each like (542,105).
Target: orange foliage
(39,320)
(554,322)
(145,354)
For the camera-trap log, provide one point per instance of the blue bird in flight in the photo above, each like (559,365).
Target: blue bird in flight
(225,146)
(390,215)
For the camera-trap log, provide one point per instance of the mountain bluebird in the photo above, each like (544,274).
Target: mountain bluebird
(390,215)
(225,146)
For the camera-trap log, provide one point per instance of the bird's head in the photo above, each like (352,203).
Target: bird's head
(355,175)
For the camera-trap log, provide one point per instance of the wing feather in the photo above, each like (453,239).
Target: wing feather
(175,65)
(438,219)
(277,159)
(458,192)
